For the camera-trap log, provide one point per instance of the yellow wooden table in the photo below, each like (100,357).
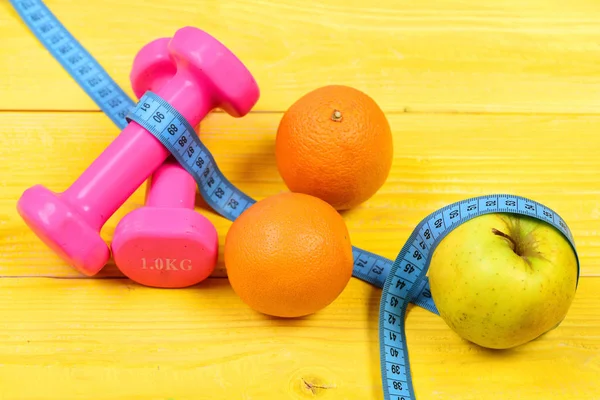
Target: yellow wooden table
(482,97)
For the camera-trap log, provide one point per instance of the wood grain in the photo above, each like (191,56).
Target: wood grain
(112,339)
(456,55)
(438,159)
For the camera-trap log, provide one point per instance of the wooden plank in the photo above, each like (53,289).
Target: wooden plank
(458,55)
(438,159)
(119,340)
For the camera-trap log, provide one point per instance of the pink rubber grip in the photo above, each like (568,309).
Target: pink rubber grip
(208,76)
(171,186)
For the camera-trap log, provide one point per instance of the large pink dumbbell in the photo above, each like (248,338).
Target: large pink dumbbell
(208,76)
(166,243)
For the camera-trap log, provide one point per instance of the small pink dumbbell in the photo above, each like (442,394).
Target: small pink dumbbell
(208,76)
(165,243)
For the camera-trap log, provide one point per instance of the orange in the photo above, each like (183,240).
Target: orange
(334,143)
(288,255)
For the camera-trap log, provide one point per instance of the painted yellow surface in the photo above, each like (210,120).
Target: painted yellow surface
(427,55)
(482,98)
(111,339)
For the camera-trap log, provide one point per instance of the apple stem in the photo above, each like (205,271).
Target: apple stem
(504,235)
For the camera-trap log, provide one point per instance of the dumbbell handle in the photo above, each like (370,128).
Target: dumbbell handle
(132,157)
(171,186)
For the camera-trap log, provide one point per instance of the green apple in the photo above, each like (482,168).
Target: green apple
(502,280)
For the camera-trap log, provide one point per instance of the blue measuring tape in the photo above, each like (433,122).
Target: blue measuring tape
(403,281)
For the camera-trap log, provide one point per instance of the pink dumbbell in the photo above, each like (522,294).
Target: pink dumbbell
(208,76)
(165,243)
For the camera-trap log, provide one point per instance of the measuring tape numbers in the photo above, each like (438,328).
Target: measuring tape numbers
(403,281)
(179,137)
(75,59)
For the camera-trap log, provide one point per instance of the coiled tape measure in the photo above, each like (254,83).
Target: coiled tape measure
(403,281)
